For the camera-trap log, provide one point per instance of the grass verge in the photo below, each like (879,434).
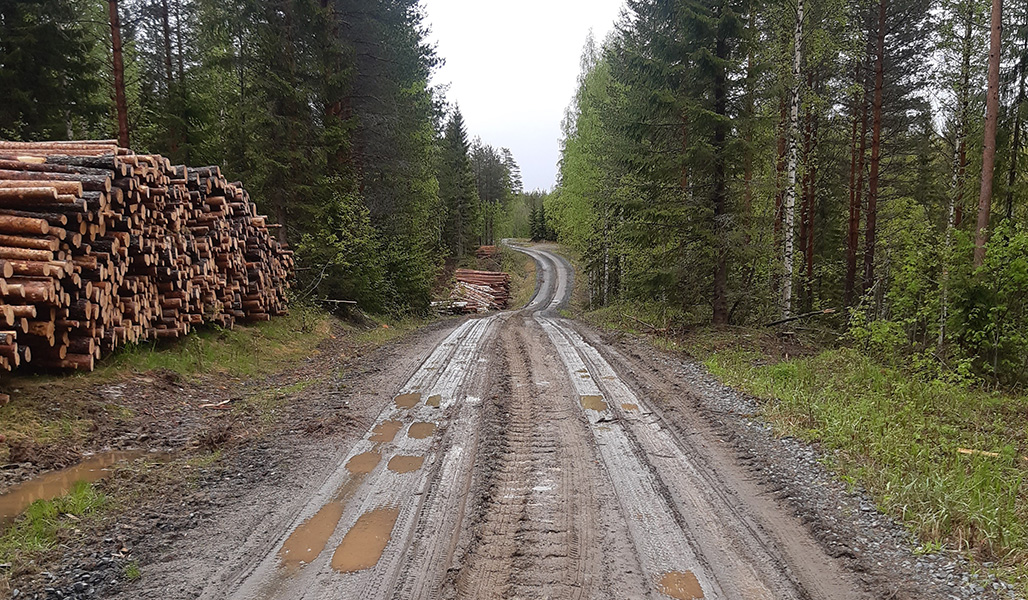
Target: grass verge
(39,528)
(947,460)
(521,268)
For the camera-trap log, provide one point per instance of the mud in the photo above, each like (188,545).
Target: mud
(408,400)
(386,431)
(421,430)
(681,585)
(406,464)
(365,462)
(364,543)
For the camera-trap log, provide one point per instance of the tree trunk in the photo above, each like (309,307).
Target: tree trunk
(989,142)
(1015,144)
(166,28)
(720,300)
(789,207)
(120,103)
(856,183)
(870,230)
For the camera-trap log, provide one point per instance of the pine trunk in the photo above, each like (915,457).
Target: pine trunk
(989,142)
(720,299)
(856,183)
(120,103)
(870,230)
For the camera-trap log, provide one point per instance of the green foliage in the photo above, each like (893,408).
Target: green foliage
(50,71)
(344,255)
(462,209)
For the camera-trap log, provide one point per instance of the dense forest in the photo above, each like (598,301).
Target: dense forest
(748,161)
(323,108)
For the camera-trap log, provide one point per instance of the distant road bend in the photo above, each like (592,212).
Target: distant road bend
(517,461)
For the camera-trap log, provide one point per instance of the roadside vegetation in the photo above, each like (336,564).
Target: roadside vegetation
(949,458)
(522,276)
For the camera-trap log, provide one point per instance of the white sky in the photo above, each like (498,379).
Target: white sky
(513,69)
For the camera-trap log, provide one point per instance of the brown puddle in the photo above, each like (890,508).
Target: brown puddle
(308,540)
(681,585)
(408,400)
(434,400)
(420,431)
(363,463)
(58,483)
(630,407)
(593,403)
(405,464)
(385,431)
(364,543)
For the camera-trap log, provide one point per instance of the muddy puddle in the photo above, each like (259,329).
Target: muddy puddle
(628,406)
(681,585)
(309,539)
(593,403)
(408,400)
(58,483)
(385,431)
(363,545)
(420,431)
(405,464)
(363,463)
(434,400)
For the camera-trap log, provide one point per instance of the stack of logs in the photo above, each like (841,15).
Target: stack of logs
(479,291)
(485,252)
(100,246)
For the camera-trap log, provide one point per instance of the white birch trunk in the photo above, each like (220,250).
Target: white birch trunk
(790,191)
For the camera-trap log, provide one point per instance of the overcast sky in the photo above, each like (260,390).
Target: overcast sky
(512,67)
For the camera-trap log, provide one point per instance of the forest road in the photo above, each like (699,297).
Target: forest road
(516,461)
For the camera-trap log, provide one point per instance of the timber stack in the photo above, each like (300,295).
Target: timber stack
(482,290)
(100,246)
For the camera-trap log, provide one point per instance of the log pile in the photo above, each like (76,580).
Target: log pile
(100,246)
(485,252)
(481,291)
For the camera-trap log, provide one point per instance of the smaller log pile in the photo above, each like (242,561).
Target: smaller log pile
(485,252)
(100,246)
(481,290)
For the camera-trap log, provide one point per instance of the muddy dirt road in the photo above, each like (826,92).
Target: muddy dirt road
(512,459)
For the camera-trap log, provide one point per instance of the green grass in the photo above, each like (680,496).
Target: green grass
(521,268)
(38,529)
(245,350)
(131,571)
(900,437)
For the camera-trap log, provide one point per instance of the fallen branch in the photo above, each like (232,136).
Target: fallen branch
(815,313)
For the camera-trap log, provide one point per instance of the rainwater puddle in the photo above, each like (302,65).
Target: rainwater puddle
(628,406)
(405,464)
(681,585)
(363,463)
(363,545)
(58,483)
(385,431)
(593,403)
(408,400)
(434,400)
(420,431)
(309,539)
